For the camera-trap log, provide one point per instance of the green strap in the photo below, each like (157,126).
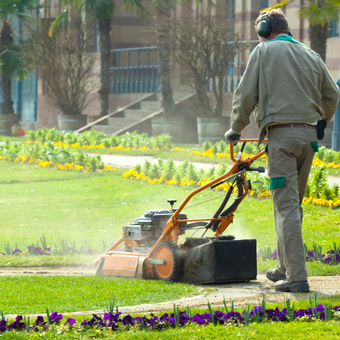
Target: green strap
(315,146)
(277,182)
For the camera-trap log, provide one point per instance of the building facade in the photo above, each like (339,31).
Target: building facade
(130,31)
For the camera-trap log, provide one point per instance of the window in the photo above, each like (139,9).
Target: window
(334,28)
(264,4)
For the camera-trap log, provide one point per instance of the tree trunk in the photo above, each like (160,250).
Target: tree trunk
(318,39)
(7,102)
(164,62)
(104,27)
(6,39)
(202,97)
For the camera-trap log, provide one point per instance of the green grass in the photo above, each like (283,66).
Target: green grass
(93,207)
(83,261)
(255,331)
(13,138)
(33,294)
(71,206)
(315,330)
(314,268)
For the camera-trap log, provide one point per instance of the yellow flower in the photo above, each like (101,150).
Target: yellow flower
(195,153)
(119,147)
(172,182)
(178,149)
(223,154)
(109,168)
(75,145)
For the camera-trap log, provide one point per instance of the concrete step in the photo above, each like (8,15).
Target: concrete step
(107,129)
(138,113)
(120,121)
(182,92)
(151,105)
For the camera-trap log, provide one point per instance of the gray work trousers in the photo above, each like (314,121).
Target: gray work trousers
(290,156)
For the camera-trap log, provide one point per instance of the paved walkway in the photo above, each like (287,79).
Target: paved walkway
(123,161)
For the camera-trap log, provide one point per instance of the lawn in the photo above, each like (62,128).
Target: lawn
(92,207)
(87,211)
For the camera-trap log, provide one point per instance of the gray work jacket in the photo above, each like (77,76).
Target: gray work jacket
(284,82)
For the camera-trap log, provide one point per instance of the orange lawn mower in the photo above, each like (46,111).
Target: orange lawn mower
(149,247)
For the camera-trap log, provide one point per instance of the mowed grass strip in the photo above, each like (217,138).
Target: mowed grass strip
(93,207)
(34,294)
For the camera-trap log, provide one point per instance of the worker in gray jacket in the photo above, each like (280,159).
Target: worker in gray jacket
(292,94)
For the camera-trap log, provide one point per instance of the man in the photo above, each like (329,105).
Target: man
(292,94)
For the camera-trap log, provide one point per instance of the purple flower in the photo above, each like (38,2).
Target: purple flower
(114,326)
(164,317)
(156,323)
(3,324)
(142,321)
(85,323)
(16,251)
(55,318)
(128,320)
(70,321)
(96,320)
(39,320)
(258,310)
(327,260)
(310,256)
(199,319)
(274,254)
(17,324)
(38,251)
(112,317)
(219,317)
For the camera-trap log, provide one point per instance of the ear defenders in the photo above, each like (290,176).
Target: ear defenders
(263,27)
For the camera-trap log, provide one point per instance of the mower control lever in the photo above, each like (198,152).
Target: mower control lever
(172,202)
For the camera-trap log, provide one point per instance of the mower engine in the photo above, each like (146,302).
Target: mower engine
(147,229)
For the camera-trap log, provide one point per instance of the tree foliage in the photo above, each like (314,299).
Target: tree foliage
(13,62)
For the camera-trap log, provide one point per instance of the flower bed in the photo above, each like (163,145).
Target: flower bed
(332,256)
(49,155)
(110,321)
(187,175)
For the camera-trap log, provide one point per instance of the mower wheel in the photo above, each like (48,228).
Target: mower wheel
(170,253)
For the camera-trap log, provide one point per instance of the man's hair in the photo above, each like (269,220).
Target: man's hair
(277,20)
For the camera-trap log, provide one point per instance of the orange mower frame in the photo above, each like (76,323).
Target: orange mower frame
(161,261)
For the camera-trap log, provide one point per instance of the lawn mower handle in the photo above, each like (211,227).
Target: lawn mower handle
(246,162)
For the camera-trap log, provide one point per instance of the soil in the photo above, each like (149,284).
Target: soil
(241,294)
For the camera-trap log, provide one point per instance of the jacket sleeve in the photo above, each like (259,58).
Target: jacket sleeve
(245,97)
(329,92)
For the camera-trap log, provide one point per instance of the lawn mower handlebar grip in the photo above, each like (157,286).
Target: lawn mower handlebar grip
(259,169)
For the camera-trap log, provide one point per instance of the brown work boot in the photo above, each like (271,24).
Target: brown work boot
(275,275)
(291,286)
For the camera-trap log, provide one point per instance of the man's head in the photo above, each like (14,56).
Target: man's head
(273,22)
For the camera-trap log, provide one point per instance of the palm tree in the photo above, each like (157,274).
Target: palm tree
(163,15)
(102,10)
(12,61)
(319,13)
(163,24)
